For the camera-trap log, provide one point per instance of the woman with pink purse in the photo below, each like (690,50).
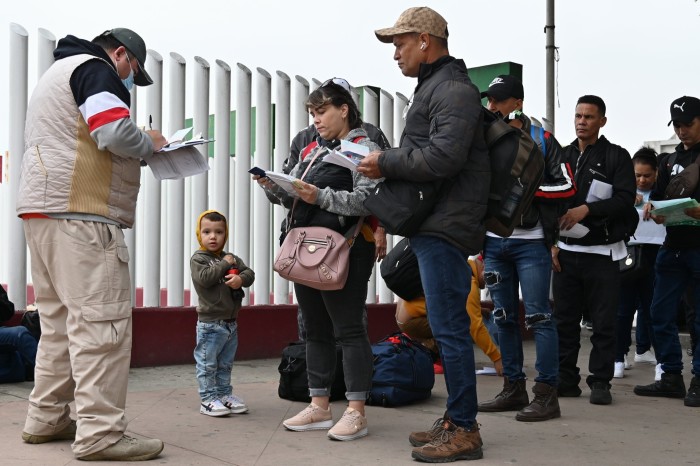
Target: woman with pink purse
(331,196)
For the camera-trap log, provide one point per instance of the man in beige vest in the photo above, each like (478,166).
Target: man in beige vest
(78,188)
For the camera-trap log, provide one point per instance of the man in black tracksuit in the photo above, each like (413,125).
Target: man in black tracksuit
(586,269)
(677,264)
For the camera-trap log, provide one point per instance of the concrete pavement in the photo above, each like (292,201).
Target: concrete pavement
(163,403)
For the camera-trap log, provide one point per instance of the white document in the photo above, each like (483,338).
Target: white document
(599,191)
(285,182)
(177,140)
(349,156)
(648,232)
(352,148)
(178,163)
(486,371)
(338,158)
(577,231)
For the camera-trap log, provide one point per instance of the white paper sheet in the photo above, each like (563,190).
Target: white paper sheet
(599,191)
(577,231)
(178,163)
(285,182)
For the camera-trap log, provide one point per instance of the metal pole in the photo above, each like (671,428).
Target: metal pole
(46,46)
(281,152)
(299,116)
(550,51)
(261,206)
(222,152)
(241,233)
(152,240)
(370,114)
(17,253)
(176,190)
(199,184)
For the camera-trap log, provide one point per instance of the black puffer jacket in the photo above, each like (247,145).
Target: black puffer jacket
(443,138)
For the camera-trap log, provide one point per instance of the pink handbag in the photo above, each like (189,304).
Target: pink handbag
(316,257)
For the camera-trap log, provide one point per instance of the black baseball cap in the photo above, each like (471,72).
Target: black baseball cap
(684,109)
(504,86)
(134,44)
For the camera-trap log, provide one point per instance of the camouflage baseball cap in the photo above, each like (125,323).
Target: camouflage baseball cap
(417,19)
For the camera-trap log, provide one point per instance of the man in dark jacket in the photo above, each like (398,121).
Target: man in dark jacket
(442,140)
(586,268)
(677,264)
(524,259)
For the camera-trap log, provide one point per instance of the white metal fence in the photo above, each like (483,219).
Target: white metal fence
(268,110)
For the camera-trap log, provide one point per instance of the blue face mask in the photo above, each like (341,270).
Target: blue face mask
(129,81)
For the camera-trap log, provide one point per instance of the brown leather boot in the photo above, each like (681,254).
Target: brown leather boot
(545,405)
(452,443)
(513,397)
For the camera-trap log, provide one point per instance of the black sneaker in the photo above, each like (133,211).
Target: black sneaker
(670,386)
(693,396)
(568,391)
(600,393)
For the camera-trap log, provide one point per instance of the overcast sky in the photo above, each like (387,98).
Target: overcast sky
(638,55)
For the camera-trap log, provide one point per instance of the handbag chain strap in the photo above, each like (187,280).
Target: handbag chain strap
(351,240)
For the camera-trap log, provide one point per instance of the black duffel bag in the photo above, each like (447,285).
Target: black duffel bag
(294,382)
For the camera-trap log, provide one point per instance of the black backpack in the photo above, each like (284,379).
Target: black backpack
(517,169)
(400,271)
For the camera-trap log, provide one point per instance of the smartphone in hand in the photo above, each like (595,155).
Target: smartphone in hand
(257,171)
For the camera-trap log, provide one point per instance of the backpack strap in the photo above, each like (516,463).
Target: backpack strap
(307,150)
(537,134)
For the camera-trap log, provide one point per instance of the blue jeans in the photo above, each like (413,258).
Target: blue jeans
(675,270)
(216,347)
(17,354)
(507,262)
(446,278)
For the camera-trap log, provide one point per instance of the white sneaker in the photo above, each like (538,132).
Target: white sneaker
(214,408)
(646,358)
(351,426)
(235,404)
(659,371)
(312,418)
(619,370)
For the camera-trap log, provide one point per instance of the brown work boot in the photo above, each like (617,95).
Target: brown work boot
(545,405)
(513,397)
(128,449)
(418,439)
(452,443)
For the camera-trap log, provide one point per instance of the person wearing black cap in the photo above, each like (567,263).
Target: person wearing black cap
(678,261)
(442,142)
(79,182)
(586,268)
(523,259)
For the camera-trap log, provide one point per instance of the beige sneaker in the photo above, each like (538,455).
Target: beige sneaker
(68,433)
(351,426)
(312,418)
(128,449)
